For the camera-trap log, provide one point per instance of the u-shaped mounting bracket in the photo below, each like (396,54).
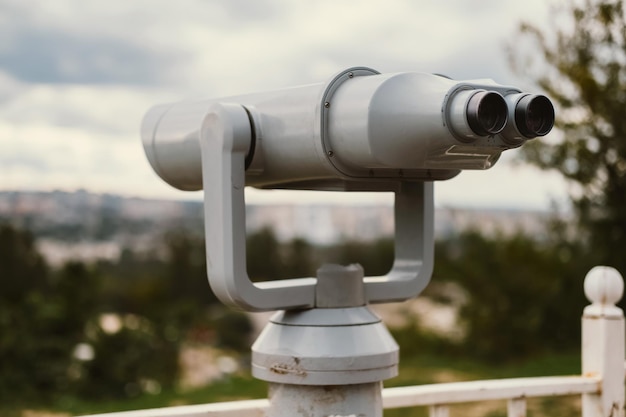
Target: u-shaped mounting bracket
(225,138)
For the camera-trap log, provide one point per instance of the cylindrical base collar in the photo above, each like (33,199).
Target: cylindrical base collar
(325,347)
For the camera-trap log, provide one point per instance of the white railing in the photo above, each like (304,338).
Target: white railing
(601,384)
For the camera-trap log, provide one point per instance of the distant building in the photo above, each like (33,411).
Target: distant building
(100,225)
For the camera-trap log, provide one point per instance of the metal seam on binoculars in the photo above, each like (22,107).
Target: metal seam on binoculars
(332,87)
(250,155)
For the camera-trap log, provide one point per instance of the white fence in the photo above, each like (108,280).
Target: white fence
(601,383)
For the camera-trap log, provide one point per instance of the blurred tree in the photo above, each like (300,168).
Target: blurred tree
(160,300)
(186,294)
(234,330)
(376,257)
(135,359)
(23,268)
(580,61)
(169,287)
(77,289)
(186,265)
(42,318)
(263,256)
(299,259)
(522,295)
(24,285)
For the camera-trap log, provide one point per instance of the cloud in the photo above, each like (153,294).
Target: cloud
(94,109)
(76,77)
(47,55)
(309,41)
(37,157)
(241,45)
(71,42)
(9,87)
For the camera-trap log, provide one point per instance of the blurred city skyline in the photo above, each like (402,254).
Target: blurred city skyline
(87,226)
(77,77)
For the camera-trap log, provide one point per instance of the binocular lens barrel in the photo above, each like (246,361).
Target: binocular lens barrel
(534,116)
(487,113)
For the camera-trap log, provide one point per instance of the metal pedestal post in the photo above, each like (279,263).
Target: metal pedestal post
(363,400)
(329,360)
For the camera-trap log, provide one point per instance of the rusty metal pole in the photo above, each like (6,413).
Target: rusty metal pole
(329,360)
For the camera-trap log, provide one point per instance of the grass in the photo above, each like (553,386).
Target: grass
(414,370)
(430,368)
(228,389)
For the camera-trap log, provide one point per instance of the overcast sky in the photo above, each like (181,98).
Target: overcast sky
(76,77)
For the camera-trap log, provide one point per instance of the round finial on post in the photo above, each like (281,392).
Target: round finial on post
(604,287)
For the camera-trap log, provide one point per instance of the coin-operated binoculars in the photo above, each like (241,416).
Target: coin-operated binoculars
(361,131)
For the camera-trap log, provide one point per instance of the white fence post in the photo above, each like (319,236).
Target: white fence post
(438,410)
(603,342)
(516,407)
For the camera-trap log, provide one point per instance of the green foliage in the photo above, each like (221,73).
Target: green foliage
(522,295)
(155,306)
(579,61)
(263,256)
(376,257)
(22,266)
(234,330)
(127,363)
(183,295)
(414,341)
(300,258)
(268,259)
(234,388)
(41,319)
(186,273)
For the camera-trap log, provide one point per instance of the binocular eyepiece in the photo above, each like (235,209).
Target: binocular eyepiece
(534,116)
(488,114)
